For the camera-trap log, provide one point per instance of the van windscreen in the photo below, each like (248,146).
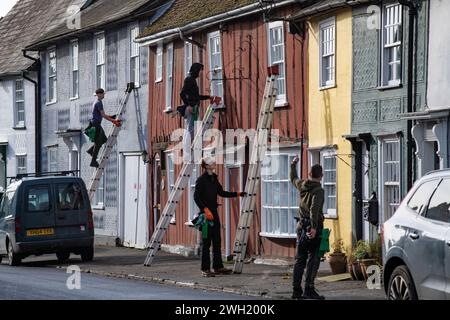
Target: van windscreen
(70,197)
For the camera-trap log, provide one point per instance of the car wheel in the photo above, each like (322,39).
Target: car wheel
(63,255)
(13,258)
(401,285)
(87,254)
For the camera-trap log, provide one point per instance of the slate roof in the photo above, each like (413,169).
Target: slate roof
(26,21)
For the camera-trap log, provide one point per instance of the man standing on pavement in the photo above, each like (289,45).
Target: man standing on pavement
(97,115)
(309,230)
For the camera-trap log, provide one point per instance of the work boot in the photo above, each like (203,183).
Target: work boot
(94,164)
(311,294)
(208,274)
(297,294)
(223,271)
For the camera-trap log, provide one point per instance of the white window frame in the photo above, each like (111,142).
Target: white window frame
(188,57)
(169,76)
(292,198)
(135,56)
(52,78)
(21,168)
(387,45)
(329,213)
(216,71)
(19,113)
(52,151)
(170,170)
(100,60)
(159,63)
(281,98)
(75,69)
(328,52)
(99,198)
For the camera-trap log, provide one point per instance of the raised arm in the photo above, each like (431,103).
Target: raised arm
(293,174)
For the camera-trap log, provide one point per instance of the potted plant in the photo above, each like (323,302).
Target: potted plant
(361,253)
(350,261)
(338,259)
(373,257)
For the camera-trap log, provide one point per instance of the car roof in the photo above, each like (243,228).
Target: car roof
(438,173)
(13,186)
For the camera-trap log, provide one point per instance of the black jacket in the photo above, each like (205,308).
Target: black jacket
(190,91)
(207,188)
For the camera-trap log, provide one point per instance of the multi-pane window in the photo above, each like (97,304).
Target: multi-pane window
(277,57)
(392,44)
(327,52)
(329,163)
(75,77)
(134,56)
(100,60)
(19,103)
(169,77)
(159,63)
(21,164)
(391,176)
(51,70)
(52,159)
(170,178)
(279,196)
(99,199)
(215,63)
(187,57)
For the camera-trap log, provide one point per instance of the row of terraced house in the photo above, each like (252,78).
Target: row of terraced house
(359,92)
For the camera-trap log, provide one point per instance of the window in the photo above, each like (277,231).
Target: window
(327,53)
(19,104)
(169,77)
(279,198)
(38,199)
(170,179)
(392,45)
(187,57)
(100,58)
(53,160)
(99,198)
(215,64)
(159,63)
(390,176)
(21,164)
(193,209)
(419,200)
(277,56)
(329,182)
(75,78)
(51,71)
(70,197)
(439,208)
(134,56)
(6,204)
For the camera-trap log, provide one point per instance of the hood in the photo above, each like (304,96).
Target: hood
(195,69)
(309,186)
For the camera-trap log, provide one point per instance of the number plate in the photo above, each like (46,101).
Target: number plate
(40,232)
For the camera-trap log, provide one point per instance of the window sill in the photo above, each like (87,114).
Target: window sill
(50,103)
(388,87)
(331,86)
(20,128)
(281,104)
(99,207)
(330,217)
(159,80)
(277,236)
(74,98)
(168,110)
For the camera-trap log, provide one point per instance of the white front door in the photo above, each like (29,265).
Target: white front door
(135,205)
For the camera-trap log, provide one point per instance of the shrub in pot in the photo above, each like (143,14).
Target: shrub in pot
(338,259)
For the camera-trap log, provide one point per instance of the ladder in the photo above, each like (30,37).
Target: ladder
(254,171)
(180,185)
(110,143)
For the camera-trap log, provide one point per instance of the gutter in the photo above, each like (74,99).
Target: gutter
(204,23)
(37,112)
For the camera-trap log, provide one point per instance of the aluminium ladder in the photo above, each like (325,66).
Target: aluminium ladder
(260,142)
(180,185)
(112,140)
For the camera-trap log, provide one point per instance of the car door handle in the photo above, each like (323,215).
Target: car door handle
(414,235)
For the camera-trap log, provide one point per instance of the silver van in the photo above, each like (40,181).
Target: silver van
(417,242)
(46,215)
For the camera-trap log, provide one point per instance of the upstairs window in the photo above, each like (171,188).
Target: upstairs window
(159,63)
(392,45)
(215,63)
(169,77)
(19,104)
(51,71)
(74,52)
(100,59)
(187,57)
(134,56)
(21,164)
(327,53)
(277,57)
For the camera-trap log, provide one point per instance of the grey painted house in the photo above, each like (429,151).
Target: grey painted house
(380,96)
(100,52)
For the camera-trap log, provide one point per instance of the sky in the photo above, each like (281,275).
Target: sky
(5,6)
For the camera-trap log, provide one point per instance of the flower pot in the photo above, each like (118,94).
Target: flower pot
(366,263)
(338,263)
(357,271)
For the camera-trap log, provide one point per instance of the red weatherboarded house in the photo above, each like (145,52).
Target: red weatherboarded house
(236,40)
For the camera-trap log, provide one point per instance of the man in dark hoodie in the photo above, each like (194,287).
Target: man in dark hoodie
(309,230)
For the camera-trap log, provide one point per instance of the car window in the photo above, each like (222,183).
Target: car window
(420,199)
(6,205)
(440,203)
(70,197)
(38,199)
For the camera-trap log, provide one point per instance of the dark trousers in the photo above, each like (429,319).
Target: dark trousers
(99,141)
(307,256)
(214,239)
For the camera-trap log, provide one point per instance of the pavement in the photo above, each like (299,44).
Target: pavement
(268,281)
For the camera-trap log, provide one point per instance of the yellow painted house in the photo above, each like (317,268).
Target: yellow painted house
(329,94)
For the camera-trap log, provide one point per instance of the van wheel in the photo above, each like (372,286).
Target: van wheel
(63,255)
(401,285)
(87,254)
(13,259)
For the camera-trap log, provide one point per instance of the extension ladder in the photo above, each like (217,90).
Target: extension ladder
(112,140)
(180,185)
(254,172)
